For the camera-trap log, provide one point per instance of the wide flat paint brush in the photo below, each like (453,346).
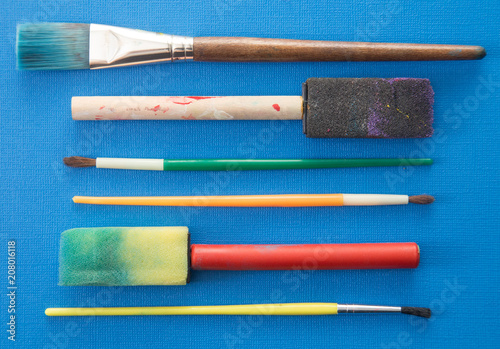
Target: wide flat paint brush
(122,256)
(234,164)
(245,309)
(46,46)
(279,200)
(328,108)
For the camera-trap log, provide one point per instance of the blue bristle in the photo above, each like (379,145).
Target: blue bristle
(53,46)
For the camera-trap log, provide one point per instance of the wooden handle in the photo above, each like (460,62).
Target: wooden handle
(187,108)
(229,49)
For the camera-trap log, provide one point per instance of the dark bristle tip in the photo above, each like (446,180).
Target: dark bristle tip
(423,199)
(78,161)
(422,312)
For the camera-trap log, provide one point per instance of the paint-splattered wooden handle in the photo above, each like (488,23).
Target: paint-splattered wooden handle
(187,108)
(239,49)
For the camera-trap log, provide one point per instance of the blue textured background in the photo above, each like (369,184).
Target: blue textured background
(458,235)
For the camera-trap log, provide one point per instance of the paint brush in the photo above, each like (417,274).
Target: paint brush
(246,309)
(133,256)
(47,46)
(280,200)
(234,164)
(328,108)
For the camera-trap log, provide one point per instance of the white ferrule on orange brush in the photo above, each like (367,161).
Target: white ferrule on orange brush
(374,199)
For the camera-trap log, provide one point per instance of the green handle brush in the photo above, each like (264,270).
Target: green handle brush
(235,164)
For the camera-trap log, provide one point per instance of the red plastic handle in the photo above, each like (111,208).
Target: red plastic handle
(309,257)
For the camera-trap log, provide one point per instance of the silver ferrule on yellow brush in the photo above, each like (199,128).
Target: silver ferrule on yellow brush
(111,46)
(359,308)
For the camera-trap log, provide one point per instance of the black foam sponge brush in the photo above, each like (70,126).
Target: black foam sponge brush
(368,108)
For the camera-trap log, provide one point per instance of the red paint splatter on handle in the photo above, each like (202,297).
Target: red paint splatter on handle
(156,108)
(276,107)
(187,100)
(101,108)
(198,97)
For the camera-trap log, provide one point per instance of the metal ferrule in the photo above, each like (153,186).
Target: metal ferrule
(117,47)
(359,308)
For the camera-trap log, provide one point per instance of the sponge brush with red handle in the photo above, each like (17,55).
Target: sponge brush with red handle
(161,256)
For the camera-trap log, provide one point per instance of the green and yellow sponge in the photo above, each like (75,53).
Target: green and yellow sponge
(124,256)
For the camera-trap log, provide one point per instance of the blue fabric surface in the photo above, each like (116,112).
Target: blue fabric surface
(458,235)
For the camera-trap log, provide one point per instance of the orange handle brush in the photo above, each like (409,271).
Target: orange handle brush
(283,200)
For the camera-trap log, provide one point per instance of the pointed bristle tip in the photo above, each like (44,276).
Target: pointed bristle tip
(416,311)
(423,199)
(78,161)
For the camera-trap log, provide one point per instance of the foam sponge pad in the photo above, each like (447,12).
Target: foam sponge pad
(124,256)
(368,108)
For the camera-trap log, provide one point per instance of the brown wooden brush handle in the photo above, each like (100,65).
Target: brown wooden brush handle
(239,49)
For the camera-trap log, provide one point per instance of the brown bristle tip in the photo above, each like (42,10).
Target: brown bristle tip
(78,161)
(423,199)
(422,312)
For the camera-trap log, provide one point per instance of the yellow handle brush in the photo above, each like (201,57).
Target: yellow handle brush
(247,309)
